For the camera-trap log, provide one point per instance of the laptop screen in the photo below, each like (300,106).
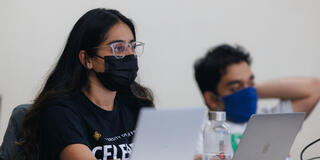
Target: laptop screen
(167,133)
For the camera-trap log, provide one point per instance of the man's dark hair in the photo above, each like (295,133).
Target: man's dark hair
(210,69)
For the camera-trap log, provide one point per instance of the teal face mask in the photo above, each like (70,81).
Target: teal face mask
(240,105)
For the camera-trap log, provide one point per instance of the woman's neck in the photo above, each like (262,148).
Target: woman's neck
(99,95)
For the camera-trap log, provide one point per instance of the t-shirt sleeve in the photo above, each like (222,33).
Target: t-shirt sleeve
(284,106)
(61,127)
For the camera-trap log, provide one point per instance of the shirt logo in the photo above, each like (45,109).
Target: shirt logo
(96,135)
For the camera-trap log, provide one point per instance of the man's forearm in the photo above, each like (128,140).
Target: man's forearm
(289,88)
(304,93)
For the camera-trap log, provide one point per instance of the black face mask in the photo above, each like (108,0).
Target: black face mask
(119,74)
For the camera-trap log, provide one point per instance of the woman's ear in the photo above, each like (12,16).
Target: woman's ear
(85,60)
(213,102)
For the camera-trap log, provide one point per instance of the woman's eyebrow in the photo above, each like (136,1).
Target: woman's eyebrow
(115,41)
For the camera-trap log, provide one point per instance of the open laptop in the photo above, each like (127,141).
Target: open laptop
(269,136)
(167,133)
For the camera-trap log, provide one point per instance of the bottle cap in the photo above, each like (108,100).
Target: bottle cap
(217,115)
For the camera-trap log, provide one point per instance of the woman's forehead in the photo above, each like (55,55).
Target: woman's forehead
(119,32)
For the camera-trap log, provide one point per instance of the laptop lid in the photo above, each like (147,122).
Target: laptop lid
(167,133)
(269,136)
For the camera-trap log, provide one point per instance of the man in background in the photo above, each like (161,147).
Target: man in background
(227,84)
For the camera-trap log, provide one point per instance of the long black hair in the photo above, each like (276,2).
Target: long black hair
(69,76)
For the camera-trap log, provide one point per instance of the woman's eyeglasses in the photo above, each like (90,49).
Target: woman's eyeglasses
(119,49)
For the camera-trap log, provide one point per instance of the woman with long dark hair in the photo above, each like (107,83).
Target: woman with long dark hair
(90,102)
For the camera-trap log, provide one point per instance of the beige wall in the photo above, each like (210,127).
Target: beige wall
(282,35)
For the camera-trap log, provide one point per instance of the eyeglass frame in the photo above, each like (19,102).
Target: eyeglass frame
(126,47)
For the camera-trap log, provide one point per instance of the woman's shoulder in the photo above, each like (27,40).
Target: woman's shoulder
(60,112)
(68,104)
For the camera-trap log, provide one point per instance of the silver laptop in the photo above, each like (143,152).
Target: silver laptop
(269,136)
(167,134)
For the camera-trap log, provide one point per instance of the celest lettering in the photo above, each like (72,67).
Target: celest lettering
(95,149)
(126,151)
(111,151)
(115,152)
(106,152)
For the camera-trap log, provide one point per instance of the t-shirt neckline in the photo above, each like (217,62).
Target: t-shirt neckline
(99,109)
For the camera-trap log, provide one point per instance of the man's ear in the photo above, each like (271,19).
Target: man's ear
(85,60)
(213,102)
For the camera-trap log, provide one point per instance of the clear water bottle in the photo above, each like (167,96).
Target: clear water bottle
(217,138)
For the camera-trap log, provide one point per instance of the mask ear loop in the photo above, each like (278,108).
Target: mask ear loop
(86,57)
(95,55)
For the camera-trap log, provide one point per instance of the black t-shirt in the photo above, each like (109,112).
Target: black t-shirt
(77,120)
